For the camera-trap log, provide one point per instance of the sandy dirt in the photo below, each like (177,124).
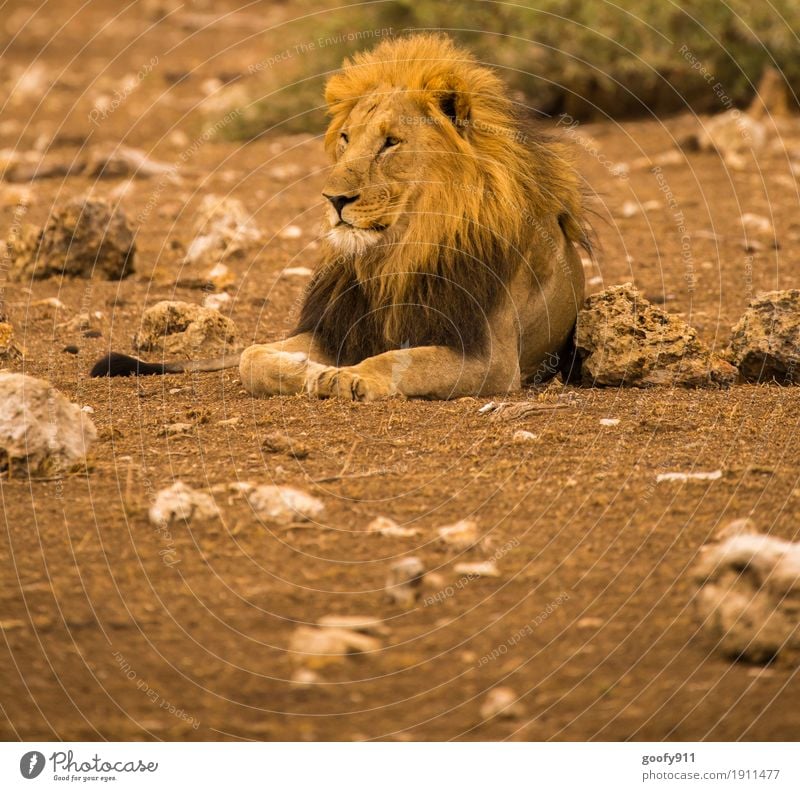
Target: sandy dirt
(591,621)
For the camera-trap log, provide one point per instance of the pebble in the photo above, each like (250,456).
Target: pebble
(315,647)
(486,568)
(181,503)
(523,436)
(404,581)
(461,535)
(388,527)
(502,702)
(284,504)
(714,475)
(291,232)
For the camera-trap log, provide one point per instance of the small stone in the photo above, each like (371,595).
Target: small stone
(42,433)
(181,329)
(315,648)
(71,349)
(486,568)
(503,703)
(609,421)
(84,238)
(224,229)
(217,301)
(624,340)
(181,503)
(10,351)
(116,162)
(521,437)
(284,504)
(404,581)
(683,477)
(278,442)
(756,222)
(748,587)
(175,429)
(388,527)
(590,623)
(461,535)
(297,271)
(291,232)
(765,343)
(304,678)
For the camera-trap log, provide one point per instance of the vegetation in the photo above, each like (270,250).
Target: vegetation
(588,59)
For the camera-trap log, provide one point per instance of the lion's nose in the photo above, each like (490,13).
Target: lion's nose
(340,201)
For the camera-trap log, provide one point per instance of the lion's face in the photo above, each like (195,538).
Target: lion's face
(385,150)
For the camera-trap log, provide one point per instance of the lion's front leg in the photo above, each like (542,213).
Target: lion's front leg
(421,372)
(283,368)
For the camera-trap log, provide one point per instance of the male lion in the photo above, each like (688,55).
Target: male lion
(449,265)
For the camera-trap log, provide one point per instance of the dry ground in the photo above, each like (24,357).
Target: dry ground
(84,587)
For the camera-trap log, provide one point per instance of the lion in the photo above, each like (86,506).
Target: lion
(450,262)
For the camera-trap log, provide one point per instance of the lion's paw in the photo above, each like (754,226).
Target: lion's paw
(350,385)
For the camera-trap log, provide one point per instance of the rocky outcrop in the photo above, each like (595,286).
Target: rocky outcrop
(765,343)
(622,339)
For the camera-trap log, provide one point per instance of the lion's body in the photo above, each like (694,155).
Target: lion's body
(449,267)
(454,271)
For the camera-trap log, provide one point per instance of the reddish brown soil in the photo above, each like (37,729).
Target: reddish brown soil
(84,588)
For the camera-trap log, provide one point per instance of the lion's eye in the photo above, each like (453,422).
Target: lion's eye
(344,138)
(390,142)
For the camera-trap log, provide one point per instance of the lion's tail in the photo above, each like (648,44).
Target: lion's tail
(116,364)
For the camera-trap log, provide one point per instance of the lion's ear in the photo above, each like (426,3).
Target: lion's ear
(454,103)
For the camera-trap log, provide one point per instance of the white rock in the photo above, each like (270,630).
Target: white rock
(41,432)
(461,535)
(224,229)
(217,301)
(748,596)
(315,647)
(713,475)
(384,526)
(404,581)
(284,504)
(523,436)
(181,503)
(609,421)
(291,232)
(756,222)
(303,678)
(486,568)
(502,702)
(297,271)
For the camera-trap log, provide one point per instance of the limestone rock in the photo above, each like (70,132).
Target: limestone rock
(224,229)
(404,581)
(503,703)
(41,432)
(10,351)
(765,343)
(181,503)
(622,339)
(748,594)
(318,647)
(284,504)
(83,238)
(181,329)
